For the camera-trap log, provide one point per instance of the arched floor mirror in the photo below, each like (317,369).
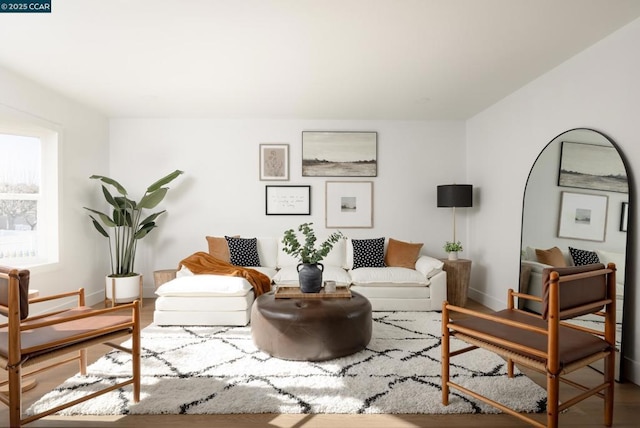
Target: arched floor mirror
(575,211)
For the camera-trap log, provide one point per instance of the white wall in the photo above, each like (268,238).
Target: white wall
(220,192)
(598,89)
(83,149)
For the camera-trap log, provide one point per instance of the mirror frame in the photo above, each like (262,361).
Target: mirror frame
(630,249)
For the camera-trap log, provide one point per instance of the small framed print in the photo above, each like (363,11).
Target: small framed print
(288,200)
(349,204)
(274,162)
(624,217)
(583,216)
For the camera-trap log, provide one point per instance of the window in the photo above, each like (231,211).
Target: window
(28,197)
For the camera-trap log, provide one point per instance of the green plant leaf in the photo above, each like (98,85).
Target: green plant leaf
(105,218)
(164,180)
(112,182)
(144,230)
(99,227)
(151,200)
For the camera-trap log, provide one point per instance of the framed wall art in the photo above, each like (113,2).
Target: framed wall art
(624,217)
(583,216)
(288,200)
(339,154)
(274,162)
(349,204)
(591,166)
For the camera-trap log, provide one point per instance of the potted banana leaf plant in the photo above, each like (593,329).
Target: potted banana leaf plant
(123,227)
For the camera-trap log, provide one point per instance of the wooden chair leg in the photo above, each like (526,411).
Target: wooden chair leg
(15,395)
(609,364)
(83,361)
(553,400)
(509,367)
(135,354)
(445,357)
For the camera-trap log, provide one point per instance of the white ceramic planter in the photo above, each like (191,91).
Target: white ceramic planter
(453,255)
(127,289)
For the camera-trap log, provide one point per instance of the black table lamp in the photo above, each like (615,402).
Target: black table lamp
(455,195)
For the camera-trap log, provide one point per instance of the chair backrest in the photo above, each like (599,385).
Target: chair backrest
(23,289)
(575,293)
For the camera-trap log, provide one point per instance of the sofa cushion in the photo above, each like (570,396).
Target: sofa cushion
(387,275)
(204,285)
(288,275)
(402,254)
(243,251)
(583,257)
(552,257)
(368,253)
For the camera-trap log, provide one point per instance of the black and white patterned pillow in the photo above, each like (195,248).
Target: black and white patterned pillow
(243,251)
(368,252)
(583,257)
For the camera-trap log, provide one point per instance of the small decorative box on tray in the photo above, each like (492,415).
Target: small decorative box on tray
(284,292)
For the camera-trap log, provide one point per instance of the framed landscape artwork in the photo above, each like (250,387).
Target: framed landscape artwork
(288,200)
(274,162)
(591,166)
(339,154)
(349,204)
(583,216)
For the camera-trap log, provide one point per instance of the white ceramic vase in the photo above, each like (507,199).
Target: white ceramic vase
(453,255)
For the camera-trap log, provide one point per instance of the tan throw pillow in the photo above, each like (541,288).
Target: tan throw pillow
(552,256)
(402,254)
(219,248)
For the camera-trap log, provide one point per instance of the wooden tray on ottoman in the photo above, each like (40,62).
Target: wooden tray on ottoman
(284,292)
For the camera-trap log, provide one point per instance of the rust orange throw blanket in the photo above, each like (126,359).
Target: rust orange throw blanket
(202,262)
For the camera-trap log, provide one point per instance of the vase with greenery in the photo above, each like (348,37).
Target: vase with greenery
(309,254)
(453,248)
(127,222)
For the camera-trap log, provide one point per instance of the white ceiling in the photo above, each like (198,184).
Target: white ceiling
(322,59)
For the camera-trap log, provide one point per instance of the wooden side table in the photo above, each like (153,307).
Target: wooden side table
(458,274)
(163,275)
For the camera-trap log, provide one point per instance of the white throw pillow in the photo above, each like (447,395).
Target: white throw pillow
(428,266)
(204,285)
(395,275)
(289,275)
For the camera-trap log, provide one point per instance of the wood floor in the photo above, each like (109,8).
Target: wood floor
(585,414)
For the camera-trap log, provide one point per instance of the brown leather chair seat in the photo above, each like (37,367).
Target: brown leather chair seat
(311,329)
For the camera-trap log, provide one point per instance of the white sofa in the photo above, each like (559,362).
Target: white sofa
(223,300)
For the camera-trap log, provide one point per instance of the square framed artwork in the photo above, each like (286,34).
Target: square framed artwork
(583,216)
(624,217)
(349,204)
(288,200)
(339,154)
(591,166)
(274,162)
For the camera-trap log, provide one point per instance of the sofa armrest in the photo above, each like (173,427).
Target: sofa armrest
(534,266)
(429,266)
(438,290)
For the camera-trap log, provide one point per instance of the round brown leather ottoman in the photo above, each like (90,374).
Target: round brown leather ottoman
(311,329)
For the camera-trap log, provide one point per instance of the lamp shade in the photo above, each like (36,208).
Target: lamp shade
(455,195)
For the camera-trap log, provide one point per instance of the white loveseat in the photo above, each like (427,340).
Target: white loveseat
(223,300)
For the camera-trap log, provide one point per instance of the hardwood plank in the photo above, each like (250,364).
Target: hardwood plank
(589,413)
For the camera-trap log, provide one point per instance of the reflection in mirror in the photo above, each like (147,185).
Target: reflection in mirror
(574,212)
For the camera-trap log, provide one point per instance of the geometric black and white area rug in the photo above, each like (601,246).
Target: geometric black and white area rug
(218,370)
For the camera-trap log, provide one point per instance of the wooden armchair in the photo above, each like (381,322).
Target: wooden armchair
(543,342)
(26,341)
